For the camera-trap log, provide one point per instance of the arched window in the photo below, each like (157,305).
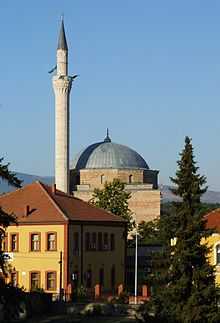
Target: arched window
(102,179)
(217,250)
(130,179)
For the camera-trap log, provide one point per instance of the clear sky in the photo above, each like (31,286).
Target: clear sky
(149,70)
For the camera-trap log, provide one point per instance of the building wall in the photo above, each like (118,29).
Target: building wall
(213,240)
(94,260)
(96,178)
(25,261)
(142,184)
(145,204)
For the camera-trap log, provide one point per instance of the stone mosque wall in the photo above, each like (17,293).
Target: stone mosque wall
(145,204)
(97,177)
(145,196)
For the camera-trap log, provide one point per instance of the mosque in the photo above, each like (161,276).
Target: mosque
(99,162)
(76,242)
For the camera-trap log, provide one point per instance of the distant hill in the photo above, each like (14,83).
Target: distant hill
(26,179)
(167,196)
(211,197)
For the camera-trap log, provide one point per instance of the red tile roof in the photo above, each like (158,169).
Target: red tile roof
(47,206)
(213,219)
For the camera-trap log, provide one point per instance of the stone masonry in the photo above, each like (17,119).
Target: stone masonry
(145,196)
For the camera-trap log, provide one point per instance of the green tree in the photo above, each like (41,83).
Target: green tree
(161,230)
(6,219)
(114,199)
(187,291)
(168,207)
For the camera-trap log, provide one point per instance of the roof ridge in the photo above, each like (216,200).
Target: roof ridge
(18,189)
(217,209)
(213,211)
(42,185)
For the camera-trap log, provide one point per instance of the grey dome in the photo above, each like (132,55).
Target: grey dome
(108,154)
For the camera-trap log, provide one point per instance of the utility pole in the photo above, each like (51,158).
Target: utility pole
(61,274)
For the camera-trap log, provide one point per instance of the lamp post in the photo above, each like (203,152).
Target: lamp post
(61,274)
(136,266)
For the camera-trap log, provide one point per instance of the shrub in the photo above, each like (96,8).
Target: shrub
(123,298)
(81,292)
(40,302)
(92,309)
(14,303)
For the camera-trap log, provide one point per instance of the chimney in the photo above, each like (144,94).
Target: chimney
(54,189)
(26,210)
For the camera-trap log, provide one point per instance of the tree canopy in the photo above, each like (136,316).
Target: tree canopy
(182,277)
(114,199)
(161,230)
(6,219)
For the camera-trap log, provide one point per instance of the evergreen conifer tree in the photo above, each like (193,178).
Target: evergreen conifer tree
(187,290)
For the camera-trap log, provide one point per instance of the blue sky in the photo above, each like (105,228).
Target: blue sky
(149,70)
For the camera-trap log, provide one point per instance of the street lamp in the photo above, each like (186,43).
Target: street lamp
(136,264)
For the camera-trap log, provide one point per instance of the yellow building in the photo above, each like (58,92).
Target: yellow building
(213,222)
(60,240)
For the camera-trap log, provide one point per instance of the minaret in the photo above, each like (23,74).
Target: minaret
(62,86)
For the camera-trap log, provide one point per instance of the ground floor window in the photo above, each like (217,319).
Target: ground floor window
(75,278)
(14,278)
(89,278)
(34,280)
(51,280)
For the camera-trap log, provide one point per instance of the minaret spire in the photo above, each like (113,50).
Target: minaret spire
(62,52)
(62,85)
(62,43)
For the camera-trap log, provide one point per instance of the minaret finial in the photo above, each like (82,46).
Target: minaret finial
(107,138)
(62,43)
